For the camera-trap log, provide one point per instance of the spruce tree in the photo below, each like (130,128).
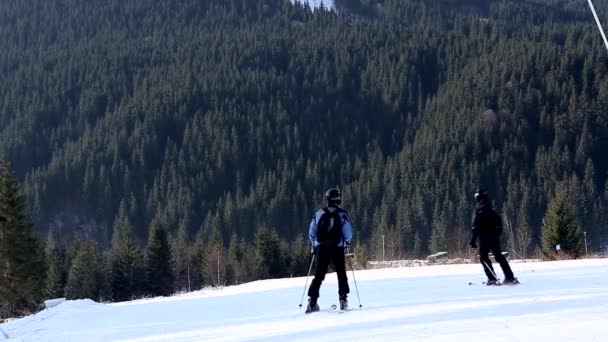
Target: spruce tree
(438,233)
(270,255)
(180,258)
(56,272)
(22,268)
(200,269)
(84,275)
(126,262)
(215,259)
(300,257)
(234,266)
(361,255)
(560,227)
(159,275)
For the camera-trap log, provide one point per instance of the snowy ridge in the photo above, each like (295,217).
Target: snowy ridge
(316,3)
(557,301)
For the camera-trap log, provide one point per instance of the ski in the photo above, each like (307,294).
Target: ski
(511,283)
(333,309)
(498,283)
(485,283)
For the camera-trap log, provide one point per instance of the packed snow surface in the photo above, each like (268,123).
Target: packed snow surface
(556,301)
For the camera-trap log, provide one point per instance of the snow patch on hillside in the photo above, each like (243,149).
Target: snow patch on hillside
(317,3)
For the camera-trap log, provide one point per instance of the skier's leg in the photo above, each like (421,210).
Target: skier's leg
(339,264)
(484,250)
(323,258)
(502,261)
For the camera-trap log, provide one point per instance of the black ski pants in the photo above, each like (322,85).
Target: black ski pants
(492,244)
(325,255)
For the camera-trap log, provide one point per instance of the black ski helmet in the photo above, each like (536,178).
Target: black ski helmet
(333,196)
(481,194)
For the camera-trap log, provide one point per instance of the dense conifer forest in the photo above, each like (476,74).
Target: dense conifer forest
(157,146)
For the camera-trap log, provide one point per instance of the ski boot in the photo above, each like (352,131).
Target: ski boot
(312,305)
(492,282)
(343,303)
(513,281)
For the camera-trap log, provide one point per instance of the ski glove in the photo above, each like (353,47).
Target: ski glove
(473,244)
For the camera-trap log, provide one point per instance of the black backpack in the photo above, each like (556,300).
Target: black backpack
(329,227)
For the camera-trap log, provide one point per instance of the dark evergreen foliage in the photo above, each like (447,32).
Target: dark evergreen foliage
(86,275)
(56,274)
(127,262)
(221,117)
(22,267)
(560,227)
(159,274)
(271,255)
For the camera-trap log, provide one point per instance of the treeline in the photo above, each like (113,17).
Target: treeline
(31,272)
(165,264)
(223,121)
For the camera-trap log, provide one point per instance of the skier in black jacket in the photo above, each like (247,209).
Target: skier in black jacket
(487,225)
(330,234)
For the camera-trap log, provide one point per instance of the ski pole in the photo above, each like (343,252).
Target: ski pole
(4,334)
(355,281)
(308,275)
(489,268)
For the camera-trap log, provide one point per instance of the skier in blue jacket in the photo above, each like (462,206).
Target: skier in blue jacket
(330,234)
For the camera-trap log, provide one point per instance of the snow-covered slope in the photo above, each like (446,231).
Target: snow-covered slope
(557,301)
(317,3)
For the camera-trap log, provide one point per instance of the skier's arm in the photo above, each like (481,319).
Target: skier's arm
(474,231)
(312,232)
(347,228)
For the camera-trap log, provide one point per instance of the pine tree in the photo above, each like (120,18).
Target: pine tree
(84,275)
(199,272)
(523,227)
(300,257)
(270,255)
(234,267)
(126,262)
(378,243)
(159,275)
(22,268)
(361,255)
(560,227)
(438,234)
(180,258)
(56,272)
(215,260)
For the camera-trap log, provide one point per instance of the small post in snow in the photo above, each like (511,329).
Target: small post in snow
(188,278)
(218,268)
(382,247)
(585,235)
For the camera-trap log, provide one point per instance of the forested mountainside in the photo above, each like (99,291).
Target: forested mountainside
(226,118)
